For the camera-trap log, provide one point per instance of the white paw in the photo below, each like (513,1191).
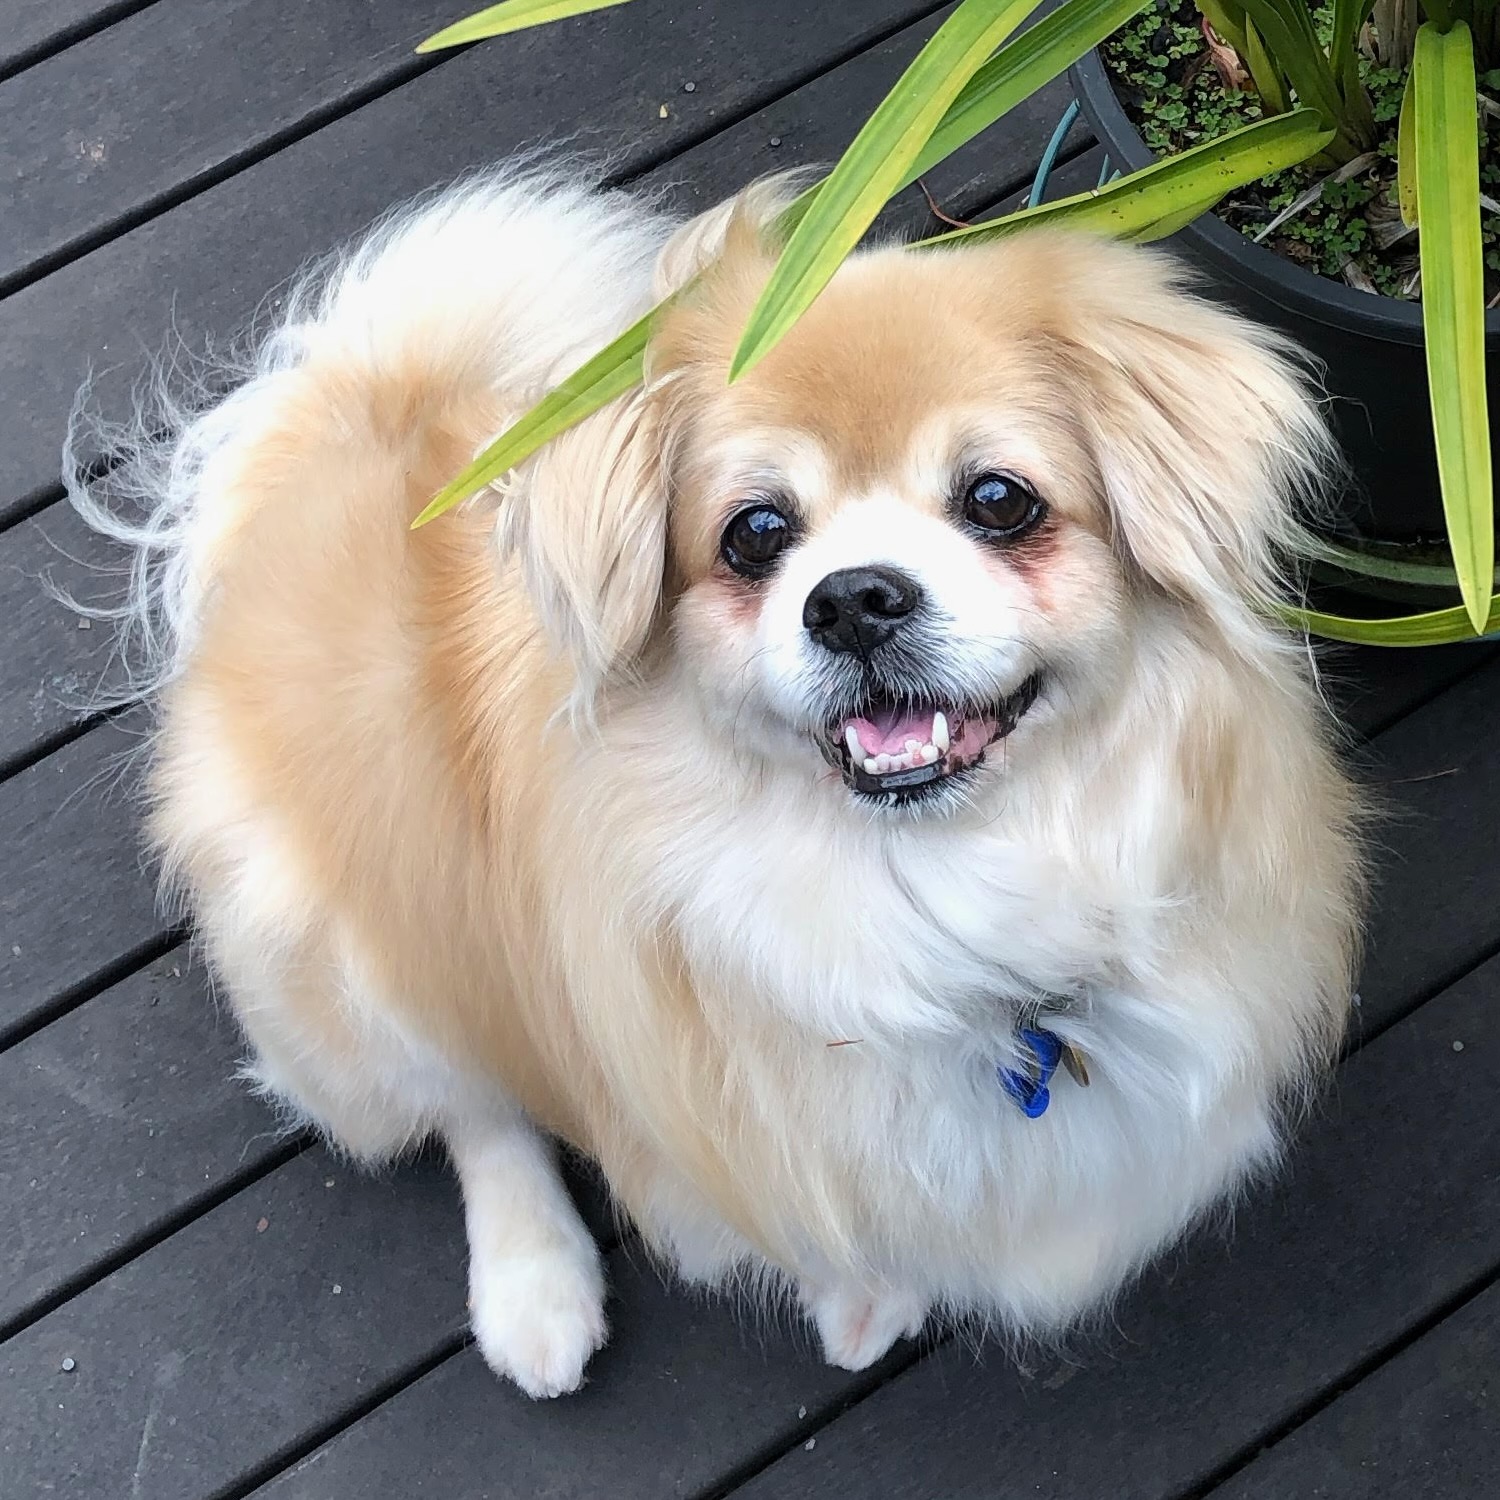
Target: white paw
(538,1318)
(857,1328)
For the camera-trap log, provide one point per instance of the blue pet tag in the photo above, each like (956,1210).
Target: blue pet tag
(1030,1089)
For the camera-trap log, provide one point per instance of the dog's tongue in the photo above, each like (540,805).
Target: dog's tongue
(887,730)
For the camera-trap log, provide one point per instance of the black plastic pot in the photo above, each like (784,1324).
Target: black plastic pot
(1371,346)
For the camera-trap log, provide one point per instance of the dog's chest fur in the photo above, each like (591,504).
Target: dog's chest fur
(907,930)
(883,968)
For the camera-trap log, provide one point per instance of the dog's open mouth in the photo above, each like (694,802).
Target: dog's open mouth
(891,748)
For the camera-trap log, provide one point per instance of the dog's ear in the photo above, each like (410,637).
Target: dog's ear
(739,224)
(588,522)
(588,526)
(1206,433)
(692,248)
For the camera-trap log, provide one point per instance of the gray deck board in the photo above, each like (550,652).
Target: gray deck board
(1425,1427)
(683,1397)
(188,1369)
(33,29)
(75,898)
(168,97)
(57,666)
(1434,880)
(117,1117)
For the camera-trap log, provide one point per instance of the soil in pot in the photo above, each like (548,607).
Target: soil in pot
(1180,88)
(1160,79)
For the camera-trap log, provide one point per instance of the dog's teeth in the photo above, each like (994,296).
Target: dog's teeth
(901,762)
(872,765)
(912,746)
(930,755)
(851,739)
(940,733)
(882,763)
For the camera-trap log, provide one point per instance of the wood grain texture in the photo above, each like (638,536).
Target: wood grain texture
(58,666)
(1435,775)
(31,29)
(1424,1427)
(250,1330)
(115,1118)
(75,896)
(210,1352)
(683,1396)
(177,93)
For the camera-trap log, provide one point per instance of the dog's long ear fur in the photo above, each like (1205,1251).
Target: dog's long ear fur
(1207,436)
(592,534)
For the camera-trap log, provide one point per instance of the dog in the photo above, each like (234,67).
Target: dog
(870,808)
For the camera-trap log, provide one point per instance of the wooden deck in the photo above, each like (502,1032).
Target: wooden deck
(192,1307)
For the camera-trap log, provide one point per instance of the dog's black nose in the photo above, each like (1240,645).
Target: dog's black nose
(858,609)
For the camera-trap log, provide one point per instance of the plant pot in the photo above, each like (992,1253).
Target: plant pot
(1371,347)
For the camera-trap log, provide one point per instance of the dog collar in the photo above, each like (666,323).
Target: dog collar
(1030,1085)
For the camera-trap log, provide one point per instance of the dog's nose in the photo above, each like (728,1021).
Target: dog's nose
(858,609)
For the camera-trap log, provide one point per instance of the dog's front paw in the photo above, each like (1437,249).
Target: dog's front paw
(858,1327)
(537,1319)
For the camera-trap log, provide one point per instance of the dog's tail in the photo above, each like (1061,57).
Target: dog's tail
(458,286)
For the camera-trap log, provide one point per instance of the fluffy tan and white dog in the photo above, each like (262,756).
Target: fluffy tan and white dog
(774,782)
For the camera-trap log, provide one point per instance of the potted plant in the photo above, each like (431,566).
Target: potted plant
(1313,107)
(1375,266)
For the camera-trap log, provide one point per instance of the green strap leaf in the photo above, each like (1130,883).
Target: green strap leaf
(1161,229)
(1447,171)
(617,368)
(513,15)
(1019,69)
(1349,17)
(1156,200)
(1182,186)
(873,167)
(1275,93)
(1406,159)
(1287,27)
(1016,71)
(1440,627)
(1390,563)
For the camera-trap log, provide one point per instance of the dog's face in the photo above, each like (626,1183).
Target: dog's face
(891,540)
(940,514)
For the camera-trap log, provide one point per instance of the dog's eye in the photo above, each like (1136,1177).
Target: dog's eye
(754,539)
(1002,505)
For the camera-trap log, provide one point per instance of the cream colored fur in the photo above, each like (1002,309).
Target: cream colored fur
(515,825)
